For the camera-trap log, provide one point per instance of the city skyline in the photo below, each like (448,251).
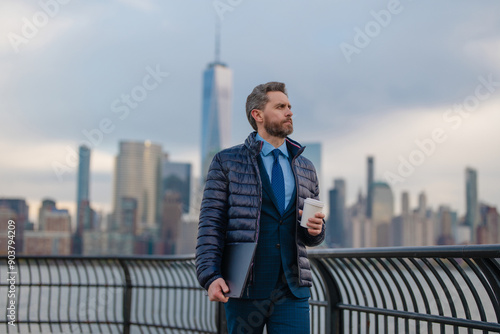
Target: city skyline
(423,108)
(154,192)
(411,200)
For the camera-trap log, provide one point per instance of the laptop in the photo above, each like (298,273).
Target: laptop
(236,260)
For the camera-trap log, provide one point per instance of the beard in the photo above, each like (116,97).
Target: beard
(280,130)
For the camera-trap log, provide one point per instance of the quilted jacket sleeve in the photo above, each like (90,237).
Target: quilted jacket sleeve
(212,224)
(308,239)
(312,241)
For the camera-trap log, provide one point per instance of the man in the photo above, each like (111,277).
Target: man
(254,193)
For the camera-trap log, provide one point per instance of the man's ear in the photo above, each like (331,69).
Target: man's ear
(257,115)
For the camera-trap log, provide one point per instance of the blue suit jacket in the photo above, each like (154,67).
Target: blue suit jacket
(276,251)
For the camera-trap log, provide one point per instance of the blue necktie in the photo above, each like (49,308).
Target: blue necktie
(278,181)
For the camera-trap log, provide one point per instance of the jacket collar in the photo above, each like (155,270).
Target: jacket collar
(267,148)
(255,145)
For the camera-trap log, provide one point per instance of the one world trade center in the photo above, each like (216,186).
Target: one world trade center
(216,112)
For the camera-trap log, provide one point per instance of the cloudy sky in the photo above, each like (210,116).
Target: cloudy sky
(416,84)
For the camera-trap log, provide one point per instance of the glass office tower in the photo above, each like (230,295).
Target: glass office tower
(382,213)
(336,236)
(137,176)
(216,113)
(176,177)
(472,206)
(83,210)
(369,193)
(82,192)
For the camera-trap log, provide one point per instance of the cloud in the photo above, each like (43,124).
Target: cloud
(31,28)
(395,91)
(144,5)
(484,50)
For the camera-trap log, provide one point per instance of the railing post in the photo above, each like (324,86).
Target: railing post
(334,317)
(127,298)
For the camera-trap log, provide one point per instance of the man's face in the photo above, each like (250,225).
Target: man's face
(277,115)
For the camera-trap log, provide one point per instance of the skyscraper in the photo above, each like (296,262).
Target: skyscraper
(171,222)
(423,229)
(83,210)
(401,235)
(472,205)
(490,224)
(47,205)
(382,213)
(422,204)
(176,177)
(447,221)
(137,176)
(336,221)
(82,191)
(405,204)
(54,235)
(358,223)
(216,110)
(369,193)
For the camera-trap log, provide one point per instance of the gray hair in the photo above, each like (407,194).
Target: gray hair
(258,98)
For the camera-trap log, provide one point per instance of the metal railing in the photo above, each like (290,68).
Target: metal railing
(452,289)
(107,295)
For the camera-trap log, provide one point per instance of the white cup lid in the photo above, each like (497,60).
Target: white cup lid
(314,202)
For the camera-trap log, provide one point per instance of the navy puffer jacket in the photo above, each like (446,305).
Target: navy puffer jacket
(231,205)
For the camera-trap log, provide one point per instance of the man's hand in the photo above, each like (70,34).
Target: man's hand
(315,224)
(216,289)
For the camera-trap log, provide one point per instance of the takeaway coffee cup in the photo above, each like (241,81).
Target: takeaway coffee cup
(311,207)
